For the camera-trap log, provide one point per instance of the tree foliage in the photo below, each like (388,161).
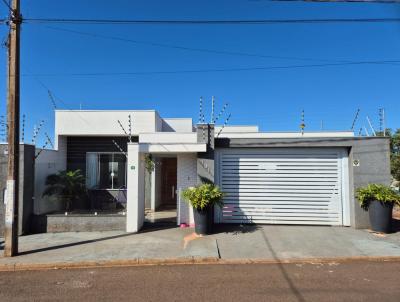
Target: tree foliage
(394,152)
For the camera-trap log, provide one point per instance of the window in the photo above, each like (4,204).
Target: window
(105,170)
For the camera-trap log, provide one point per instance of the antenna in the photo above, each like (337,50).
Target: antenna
(130,127)
(52,99)
(119,148)
(41,150)
(200,109)
(223,126)
(382,126)
(122,127)
(370,124)
(4,127)
(322,125)
(23,128)
(302,125)
(212,110)
(49,140)
(355,119)
(36,131)
(384,121)
(221,112)
(366,131)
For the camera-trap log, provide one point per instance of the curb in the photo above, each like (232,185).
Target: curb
(13,267)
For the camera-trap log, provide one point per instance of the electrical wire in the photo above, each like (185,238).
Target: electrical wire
(209,22)
(91,74)
(8,5)
(206,50)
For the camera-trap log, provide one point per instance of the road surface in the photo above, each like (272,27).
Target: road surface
(356,281)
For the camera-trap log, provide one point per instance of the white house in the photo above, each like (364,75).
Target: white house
(285,178)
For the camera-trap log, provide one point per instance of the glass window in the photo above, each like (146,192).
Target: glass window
(105,170)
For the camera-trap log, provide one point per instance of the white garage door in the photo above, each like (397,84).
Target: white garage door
(285,186)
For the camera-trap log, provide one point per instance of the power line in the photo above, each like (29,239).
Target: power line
(8,5)
(345,1)
(90,74)
(207,50)
(210,22)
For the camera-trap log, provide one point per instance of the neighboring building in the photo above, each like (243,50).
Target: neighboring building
(285,178)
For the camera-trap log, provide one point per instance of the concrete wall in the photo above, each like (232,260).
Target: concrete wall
(186,177)
(78,223)
(372,152)
(205,160)
(374,167)
(26,186)
(48,162)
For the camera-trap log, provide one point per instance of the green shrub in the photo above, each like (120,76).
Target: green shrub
(68,185)
(202,196)
(376,192)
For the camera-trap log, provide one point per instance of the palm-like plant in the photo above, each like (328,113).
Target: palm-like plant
(69,185)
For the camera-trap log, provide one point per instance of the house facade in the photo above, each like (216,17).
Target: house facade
(135,161)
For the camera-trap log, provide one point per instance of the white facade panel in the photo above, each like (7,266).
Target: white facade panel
(177,125)
(104,123)
(284,186)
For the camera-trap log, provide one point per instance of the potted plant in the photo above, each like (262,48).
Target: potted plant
(68,185)
(378,200)
(202,198)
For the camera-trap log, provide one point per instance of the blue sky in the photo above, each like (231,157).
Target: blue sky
(271,98)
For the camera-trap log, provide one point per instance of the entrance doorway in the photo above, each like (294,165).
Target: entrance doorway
(164,210)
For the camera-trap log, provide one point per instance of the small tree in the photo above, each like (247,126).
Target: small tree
(69,185)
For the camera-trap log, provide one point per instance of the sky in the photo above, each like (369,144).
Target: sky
(169,67)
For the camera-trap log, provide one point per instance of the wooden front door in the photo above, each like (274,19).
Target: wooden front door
(169,181)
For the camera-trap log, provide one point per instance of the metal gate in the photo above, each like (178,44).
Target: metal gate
(282,185)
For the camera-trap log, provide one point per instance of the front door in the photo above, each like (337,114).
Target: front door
(169,181)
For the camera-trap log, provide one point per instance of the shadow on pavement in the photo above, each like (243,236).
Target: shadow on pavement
(235,228)
(285,274)
(395,225)
(56,247)
(157,226)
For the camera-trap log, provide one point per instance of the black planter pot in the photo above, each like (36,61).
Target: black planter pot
(380,216)
(201,221)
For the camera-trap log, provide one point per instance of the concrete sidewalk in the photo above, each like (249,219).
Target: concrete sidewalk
(174,245)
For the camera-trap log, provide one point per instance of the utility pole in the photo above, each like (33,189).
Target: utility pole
(13,106)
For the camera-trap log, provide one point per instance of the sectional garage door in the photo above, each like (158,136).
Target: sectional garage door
(283,186)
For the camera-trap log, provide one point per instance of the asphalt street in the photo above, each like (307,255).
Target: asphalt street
(351,281)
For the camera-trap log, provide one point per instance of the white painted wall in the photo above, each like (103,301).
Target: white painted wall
(177,125)
(105,123)
(135,189)
(186,177)
(48,162)
(168,138)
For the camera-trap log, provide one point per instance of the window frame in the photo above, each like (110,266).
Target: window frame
(98,167)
